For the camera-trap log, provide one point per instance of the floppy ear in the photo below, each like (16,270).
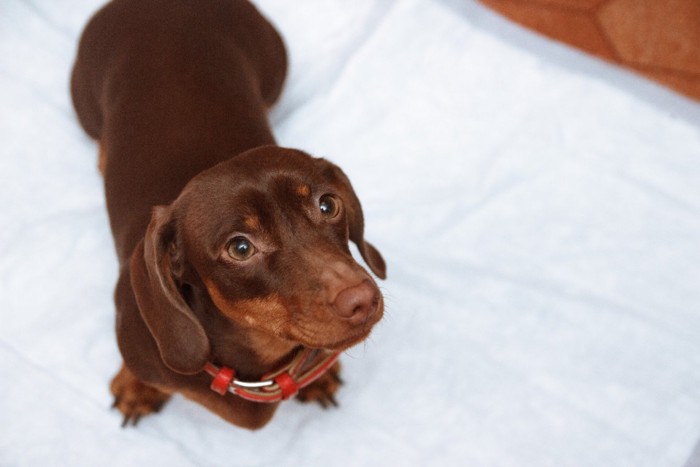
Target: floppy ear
(181,340)
(356,224)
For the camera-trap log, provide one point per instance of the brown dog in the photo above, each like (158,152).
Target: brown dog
(233,252)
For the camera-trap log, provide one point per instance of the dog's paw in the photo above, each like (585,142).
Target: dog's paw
(135,399)
(323,389)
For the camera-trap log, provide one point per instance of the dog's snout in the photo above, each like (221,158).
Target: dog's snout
(357,303)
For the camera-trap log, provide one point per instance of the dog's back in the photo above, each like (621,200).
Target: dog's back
(147,70)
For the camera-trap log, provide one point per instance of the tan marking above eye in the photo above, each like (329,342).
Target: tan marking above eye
(252,222)
(303,190)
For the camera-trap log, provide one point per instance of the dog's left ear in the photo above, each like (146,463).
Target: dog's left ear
(356,222)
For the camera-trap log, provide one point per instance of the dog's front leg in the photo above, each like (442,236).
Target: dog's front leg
(134,398)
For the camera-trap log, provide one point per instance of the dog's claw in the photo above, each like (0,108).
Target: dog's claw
(331,399)
(132,420)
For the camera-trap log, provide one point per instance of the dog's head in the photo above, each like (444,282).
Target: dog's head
(265,235)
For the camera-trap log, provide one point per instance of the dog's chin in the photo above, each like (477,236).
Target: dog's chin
(348,342)
(340,344)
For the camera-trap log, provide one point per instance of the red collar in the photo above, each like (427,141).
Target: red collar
(306,367)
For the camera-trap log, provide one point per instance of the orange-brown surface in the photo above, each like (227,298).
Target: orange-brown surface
(659,39)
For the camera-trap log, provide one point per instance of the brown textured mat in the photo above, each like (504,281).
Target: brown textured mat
(657,38)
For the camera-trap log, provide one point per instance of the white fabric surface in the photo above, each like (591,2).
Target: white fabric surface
(539,212)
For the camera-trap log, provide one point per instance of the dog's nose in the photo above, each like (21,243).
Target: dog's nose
(357,303)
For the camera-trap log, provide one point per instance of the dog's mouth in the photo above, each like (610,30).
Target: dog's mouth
(348,338)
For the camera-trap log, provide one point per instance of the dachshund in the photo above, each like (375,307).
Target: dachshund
(237,287)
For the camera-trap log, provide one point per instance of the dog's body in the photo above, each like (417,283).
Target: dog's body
(232,250)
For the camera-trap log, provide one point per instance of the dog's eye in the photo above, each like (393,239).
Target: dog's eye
(329,206)
(240,249)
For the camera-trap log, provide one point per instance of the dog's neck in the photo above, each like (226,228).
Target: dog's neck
(251,352)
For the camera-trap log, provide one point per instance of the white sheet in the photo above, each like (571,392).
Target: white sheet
(539,212)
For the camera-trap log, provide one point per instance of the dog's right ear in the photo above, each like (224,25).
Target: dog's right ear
(181,340)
